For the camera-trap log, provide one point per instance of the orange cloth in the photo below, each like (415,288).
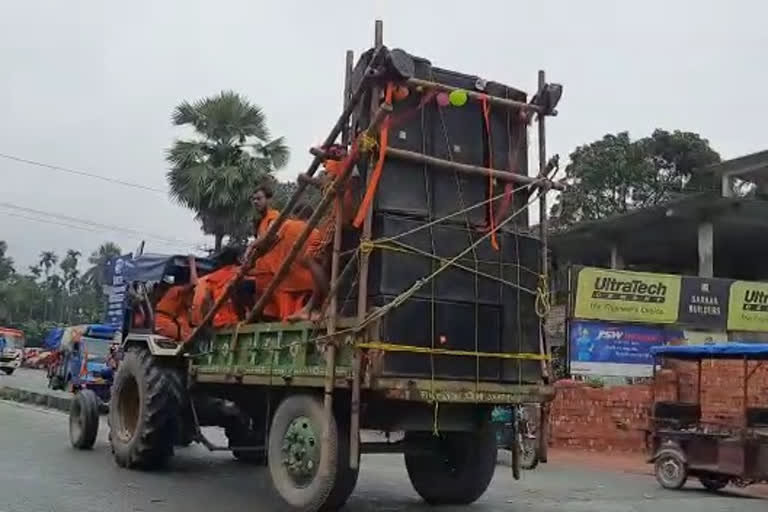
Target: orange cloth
(348,206)
(269,217)
(172,313)
(208,290)
(295,289)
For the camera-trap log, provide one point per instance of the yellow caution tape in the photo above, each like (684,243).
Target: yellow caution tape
(393,347)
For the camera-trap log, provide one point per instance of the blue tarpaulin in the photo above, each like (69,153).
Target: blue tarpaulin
(152,267)
(53,338)
(732,350)
(101,331)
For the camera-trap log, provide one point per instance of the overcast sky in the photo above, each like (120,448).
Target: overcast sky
(90,85)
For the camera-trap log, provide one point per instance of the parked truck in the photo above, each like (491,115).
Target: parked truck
(12,343)
(434,314)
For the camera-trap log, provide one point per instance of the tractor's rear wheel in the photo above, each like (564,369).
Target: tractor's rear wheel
(146,403)
(84,419)
(456,469)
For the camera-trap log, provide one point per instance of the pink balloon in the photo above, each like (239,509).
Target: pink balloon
(442,99)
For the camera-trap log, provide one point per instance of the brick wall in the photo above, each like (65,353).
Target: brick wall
(614,419)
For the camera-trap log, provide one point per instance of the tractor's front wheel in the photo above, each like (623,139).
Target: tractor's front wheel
(144,410)
(84,419)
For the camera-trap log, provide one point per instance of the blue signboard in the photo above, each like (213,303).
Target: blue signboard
(115,289)
(600,348)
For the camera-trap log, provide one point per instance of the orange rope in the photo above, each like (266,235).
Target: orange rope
(491,219)
(376,175)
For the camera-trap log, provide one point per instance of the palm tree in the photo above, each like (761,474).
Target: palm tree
(69,268)
(48,260)
(98,260)
(215,173)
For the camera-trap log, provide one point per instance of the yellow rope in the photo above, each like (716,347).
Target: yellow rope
(367,143)
(393,347)
(543,304)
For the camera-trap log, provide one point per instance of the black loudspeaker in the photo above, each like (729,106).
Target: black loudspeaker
(415,254)
(521,325)
(454,133)
(448,325)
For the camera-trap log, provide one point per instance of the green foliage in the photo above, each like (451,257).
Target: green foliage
(615,174)
(215,173)
(52,295)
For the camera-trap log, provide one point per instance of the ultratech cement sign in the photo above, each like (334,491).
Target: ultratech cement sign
(748,306)
(627,296)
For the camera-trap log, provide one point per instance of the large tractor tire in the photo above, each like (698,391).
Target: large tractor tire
(456,470)
(84,419)
(295,456)
(145,407)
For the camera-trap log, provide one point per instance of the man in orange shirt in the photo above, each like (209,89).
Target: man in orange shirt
(261,200)
(172,312)
(210,287)
(304,286)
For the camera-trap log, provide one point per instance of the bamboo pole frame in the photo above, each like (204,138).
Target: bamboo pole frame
(473,170)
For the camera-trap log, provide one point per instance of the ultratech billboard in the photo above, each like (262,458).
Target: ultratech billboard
(748,306)
(627,296)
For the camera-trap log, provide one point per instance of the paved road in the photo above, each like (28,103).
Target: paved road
(40,472)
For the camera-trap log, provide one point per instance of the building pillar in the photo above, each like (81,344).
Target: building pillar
(617,260)
(726,185)
(706,250)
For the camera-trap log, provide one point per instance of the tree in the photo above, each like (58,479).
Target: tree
(98,259)
(48,260)
(215,173)
(614,175)
(6,263)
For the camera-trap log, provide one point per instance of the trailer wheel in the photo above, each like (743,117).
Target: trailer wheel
(144,409)
(457,471)
(295,455)
(346,477)
(84,419)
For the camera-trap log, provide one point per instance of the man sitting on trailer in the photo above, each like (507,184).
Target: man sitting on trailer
(261,199)
(172,310)
(209,288)
(303,287)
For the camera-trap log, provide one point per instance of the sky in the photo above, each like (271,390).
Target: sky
(90,85)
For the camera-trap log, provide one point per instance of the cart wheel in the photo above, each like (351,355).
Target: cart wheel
(459,469)
(671,470)
(84,419)
(295,455)
(714,482)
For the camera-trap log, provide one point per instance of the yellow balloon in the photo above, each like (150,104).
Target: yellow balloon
(458,98)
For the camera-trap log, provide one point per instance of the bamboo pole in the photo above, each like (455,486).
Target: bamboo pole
(362,294)
(543,233)
(493,100)
(330,354)
(471,170)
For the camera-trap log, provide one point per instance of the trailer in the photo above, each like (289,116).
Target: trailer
(433,318)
